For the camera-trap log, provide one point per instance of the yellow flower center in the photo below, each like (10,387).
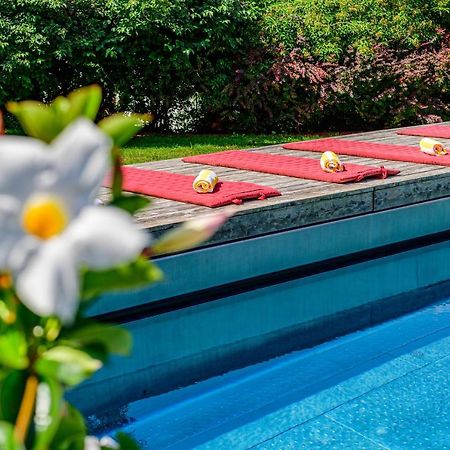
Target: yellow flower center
(44,217)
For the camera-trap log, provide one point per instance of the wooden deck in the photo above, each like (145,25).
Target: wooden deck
(305,202)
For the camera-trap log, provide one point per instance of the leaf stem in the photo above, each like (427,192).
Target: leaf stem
(117,173)
(26,408)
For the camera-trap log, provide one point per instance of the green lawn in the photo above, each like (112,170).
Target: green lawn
(158,147)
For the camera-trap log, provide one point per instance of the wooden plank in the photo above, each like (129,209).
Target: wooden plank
(304,202)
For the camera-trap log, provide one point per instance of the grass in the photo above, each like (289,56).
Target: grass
(157,147)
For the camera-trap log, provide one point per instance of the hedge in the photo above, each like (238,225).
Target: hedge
(345,64)
(384,89)
(147,54)
(236,65)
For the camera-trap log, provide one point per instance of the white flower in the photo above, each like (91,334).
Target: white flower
(93,443)
(49,226)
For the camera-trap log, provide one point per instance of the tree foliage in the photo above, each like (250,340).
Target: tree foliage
(230,65)
(327,29)
(148,55)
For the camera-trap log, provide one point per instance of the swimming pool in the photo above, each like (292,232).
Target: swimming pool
(228,312)
(232,305)
(384,387)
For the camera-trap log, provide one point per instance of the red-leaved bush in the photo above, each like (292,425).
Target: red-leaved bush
(394,88)
(275,90)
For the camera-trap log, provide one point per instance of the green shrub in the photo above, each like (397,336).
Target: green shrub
(327,29)
(147,54)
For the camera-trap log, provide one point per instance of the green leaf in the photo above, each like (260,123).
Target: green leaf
(28,320)
(85,102)
(131,203)
(121,128)
(138,273)
(115,339)
(126,442)
(45,122)
(61,107)
(117,175)
(37,119)
(7,438)
(71,431)
(12,387)
(67,365)
(13,349)
(47,413)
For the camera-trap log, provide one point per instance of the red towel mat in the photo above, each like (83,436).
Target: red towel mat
(370,150)
(290,166)
(174,186)
(437,131)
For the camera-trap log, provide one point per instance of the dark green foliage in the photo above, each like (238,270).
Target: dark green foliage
(234,65)
(149,55)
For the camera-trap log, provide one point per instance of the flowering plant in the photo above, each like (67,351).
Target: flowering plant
(59,251)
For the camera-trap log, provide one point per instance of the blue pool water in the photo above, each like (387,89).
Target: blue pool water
(386,387)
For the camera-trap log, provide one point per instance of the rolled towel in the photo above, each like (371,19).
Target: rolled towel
(205,182)
(329,162)
(432,147)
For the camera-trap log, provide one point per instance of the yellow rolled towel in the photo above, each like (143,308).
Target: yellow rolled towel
(329,162)
(205,182)
(432,147)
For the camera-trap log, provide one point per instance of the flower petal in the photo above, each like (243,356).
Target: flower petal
(9,233)
(23,248)
(22,159)
(49,283)
(92,443)
(190,234)
(81,155)
(104,236)
(7,245)
(108,442)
